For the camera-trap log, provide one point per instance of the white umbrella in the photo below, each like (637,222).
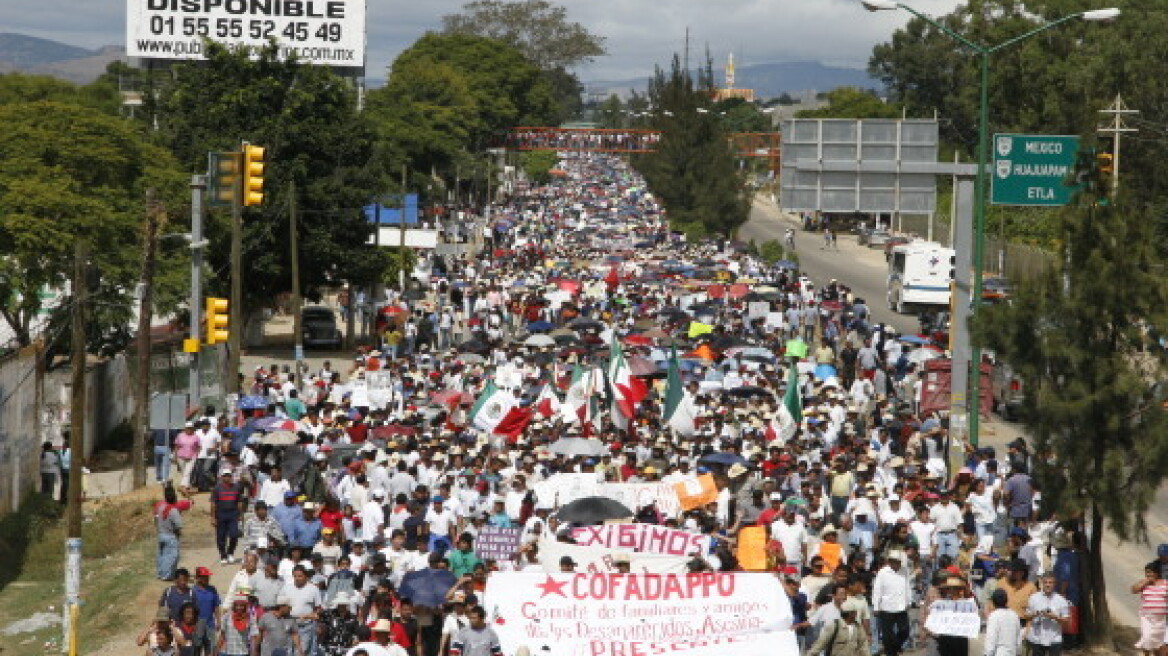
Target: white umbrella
(922,355)
(578,446)
(540,340)
(280,438)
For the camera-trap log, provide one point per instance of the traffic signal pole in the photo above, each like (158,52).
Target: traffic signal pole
(198,188)
(235,338)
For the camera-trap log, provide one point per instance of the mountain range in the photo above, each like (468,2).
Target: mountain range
(30,54)
(767,79)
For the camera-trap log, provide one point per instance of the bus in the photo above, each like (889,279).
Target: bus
(919,273)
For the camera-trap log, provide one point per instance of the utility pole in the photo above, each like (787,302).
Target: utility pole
(1117,110)
(155,216)
(235,328)
(297,300)
(401,254)
(76,443)
(195,383)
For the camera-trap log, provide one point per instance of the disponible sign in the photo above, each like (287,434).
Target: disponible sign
(643,538)
(641,614)
(1032,169)
(324,32)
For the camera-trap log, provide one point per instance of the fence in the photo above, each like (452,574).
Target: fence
(35,408)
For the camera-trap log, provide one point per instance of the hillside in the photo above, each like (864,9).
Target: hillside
(29,54)
(768,80)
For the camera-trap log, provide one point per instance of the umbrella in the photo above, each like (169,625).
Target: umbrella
(280,438)
(824,371)
(447,397)
(427,587)
(725,458)
(592,510)
(642,367)
(471,358)
(569,338)
(539,326)
(278,424)
(578,446)
(915,339)
(393,309)
(475,346)
(749,391)
(786,264)
(392,430)
(584,323)
(638,340)
(562,331)
(253,402)
(540,340)
(655,333)
(921,356)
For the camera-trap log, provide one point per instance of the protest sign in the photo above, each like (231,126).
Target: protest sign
(599,559)
(752,548)
(696,492)
(497,543)
(643,538)
(954,617)
(709,613)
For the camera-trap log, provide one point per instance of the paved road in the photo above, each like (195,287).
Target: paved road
(863,270)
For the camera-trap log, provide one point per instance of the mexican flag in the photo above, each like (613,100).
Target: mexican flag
(514,422)
(627,390)
(791,411)
(491,407)
(547,403)
(679,414)
(579,403)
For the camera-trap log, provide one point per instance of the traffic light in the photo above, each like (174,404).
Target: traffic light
(216,321)
(1105,163)
(224,179)
(253,175)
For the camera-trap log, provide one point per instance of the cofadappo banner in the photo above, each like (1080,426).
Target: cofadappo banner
(703,614)
(561,489)
(643,538)
(599,560)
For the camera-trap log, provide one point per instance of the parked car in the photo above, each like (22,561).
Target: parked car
(877,238)
(1007,391)
(319,328)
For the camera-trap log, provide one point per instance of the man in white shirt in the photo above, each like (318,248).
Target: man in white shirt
(793,537)
(305,601)
(442,523)
(372,517)
(890,600)
(1049,613)
(925,532)
(947,517)
(272,491)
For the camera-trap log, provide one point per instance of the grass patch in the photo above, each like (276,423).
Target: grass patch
(117,567)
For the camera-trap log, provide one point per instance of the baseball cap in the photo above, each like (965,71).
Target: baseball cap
(290,494)
(567,560)
(226,471)
(202,571)
(1162,551)
(776,496)
(437,500)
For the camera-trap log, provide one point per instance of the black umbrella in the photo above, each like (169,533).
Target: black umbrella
(749,392)
(584,323)
(475,346)
(728,342)
(593,510)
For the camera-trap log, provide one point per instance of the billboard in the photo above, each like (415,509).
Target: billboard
(323,32)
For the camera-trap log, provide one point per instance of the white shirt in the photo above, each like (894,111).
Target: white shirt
(440,522)
(924,533)
(946,516)
(304,600)
(208,442)
(792,536)
(272,492)
(372,517)
(1046,631)
(890,591)
(1003,633)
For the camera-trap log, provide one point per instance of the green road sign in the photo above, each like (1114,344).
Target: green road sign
(1032,169)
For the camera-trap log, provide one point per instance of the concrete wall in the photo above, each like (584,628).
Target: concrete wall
(24,426)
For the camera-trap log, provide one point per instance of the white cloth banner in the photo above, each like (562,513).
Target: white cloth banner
(643,538)
(561,489)
(954,617)
(703,614)
(599,559)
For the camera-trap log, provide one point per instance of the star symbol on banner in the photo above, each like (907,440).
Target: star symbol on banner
(552,586)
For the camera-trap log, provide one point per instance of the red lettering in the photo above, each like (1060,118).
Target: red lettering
(597,648)
(526,608)
(652,587)
(726,584)
(627,536)
(633,591)
(579,591)
(672,588)
(597,587)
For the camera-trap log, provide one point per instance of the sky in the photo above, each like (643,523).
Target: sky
(639,33)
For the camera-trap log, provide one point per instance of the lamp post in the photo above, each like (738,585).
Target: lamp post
(979,208)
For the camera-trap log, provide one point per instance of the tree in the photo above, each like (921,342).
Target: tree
(1078,338)
(610,114)
(740,116)
(542,32)
(852,102)
(537,165)
(306,117)
(693,170)
(71,172)
(537,28)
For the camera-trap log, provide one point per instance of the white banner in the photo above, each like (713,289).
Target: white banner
(705,614)
(643,538)
(324,32)
(954,617)
(561,489)
(598,560)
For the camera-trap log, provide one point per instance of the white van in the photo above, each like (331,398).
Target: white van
(919,273)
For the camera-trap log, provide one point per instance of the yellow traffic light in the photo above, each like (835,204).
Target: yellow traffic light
(217,320)
(253,175)
(1105,162)
(224,179)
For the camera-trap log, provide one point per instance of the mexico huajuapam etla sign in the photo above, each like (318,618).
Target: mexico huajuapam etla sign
(641,614)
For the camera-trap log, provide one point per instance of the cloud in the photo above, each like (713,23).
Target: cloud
(640,33)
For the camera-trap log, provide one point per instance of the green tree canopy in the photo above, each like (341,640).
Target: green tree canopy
(306,117)
(1079,338)
(71,172)
(852,102)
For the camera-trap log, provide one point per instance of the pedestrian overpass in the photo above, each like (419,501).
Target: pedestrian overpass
(597,140)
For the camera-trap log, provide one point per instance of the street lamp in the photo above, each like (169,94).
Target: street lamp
(979,207)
